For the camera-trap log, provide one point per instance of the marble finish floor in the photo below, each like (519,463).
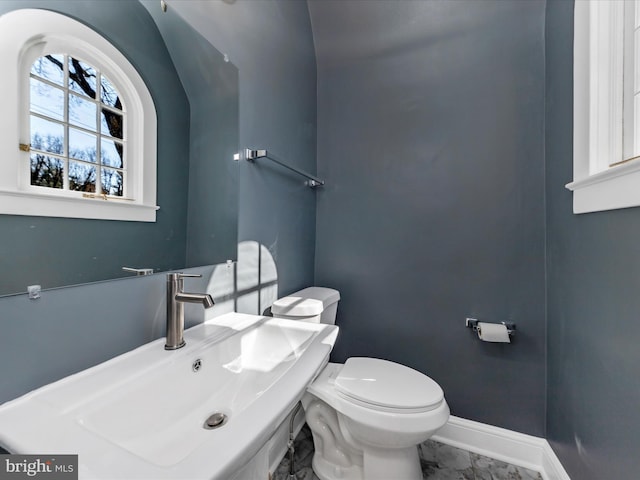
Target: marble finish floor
(439,462)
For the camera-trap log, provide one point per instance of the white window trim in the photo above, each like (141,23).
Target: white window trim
(598,111)
(28,31)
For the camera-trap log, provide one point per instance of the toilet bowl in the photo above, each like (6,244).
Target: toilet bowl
(368,415)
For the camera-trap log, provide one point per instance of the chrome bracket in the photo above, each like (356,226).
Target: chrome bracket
(252,155)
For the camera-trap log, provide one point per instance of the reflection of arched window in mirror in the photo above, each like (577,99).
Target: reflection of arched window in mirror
(86,123)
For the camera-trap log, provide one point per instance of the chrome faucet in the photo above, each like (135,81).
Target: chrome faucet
(176,297)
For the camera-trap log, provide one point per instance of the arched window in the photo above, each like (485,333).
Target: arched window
(84,143)
(76,128)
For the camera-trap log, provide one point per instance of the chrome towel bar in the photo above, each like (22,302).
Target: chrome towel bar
(252,155)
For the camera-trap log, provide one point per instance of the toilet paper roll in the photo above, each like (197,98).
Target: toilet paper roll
(493,332)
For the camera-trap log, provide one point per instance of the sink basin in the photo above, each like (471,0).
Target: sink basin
(142,414)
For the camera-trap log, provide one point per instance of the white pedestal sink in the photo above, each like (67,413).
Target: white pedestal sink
(142,414)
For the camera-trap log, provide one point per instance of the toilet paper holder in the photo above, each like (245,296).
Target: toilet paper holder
(473,323)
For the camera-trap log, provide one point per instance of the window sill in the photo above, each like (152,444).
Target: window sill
(44,205)
(614,188)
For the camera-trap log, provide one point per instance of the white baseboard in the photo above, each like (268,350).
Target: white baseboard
(508,446)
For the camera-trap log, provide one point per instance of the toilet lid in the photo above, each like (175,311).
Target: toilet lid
(387,384)
(305,303)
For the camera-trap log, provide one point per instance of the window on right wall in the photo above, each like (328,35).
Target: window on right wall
(606,105)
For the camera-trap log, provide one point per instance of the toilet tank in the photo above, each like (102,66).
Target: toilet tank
(313,304)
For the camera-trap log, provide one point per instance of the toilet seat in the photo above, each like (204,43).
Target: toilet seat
(386,386)
(375,425)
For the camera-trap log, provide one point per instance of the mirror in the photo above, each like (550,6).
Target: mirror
(195,91)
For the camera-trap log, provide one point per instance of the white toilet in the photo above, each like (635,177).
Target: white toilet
(367,416)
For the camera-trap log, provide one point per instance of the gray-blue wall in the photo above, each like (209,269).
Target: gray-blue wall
(211,85)
(271,43)
(593,265)
(430,136)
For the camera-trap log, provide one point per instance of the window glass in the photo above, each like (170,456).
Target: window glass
(82,145)
(82,112)
(47,100)
(80,149)
(112,123)
(111,153)
(47,171)
(82,177)
(112,182)
(47,136)
(109,94)
(82,78)
(50,67)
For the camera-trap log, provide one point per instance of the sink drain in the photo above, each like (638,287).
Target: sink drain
(215,421)
(196,365)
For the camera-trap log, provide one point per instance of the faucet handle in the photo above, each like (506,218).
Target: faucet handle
(189,275)
(175,276)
